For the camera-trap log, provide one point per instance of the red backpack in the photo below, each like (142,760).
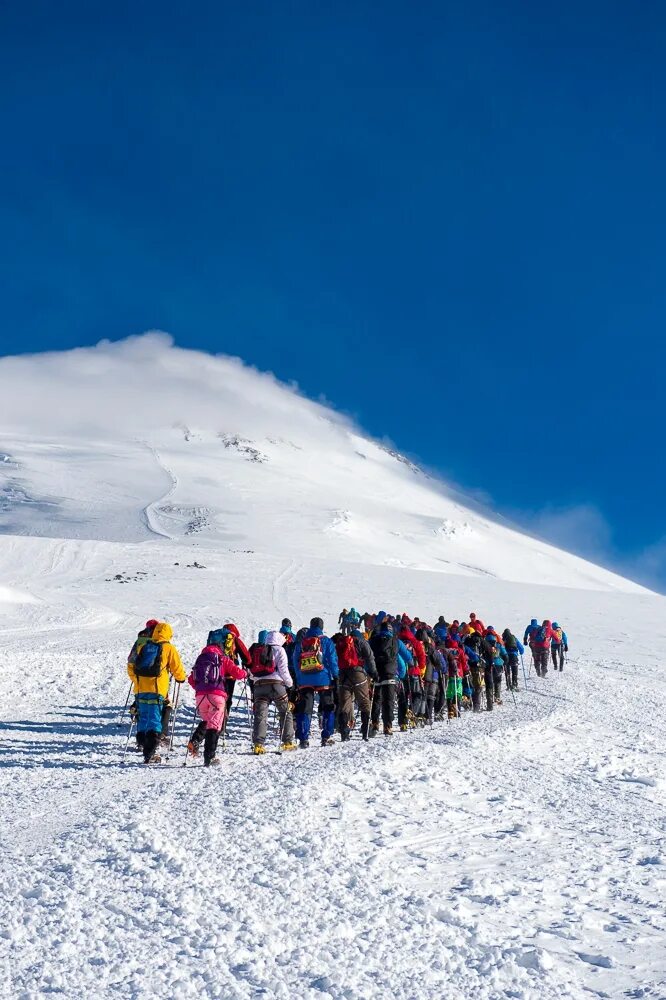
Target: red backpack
(312,658)
(261,660)
(348,654)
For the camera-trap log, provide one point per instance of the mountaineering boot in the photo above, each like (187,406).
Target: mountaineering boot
(155,759)
(210,745)
(288,746)
(303,744)
(374,729)
(365,722)
(149,745)
(498,694)
(388,730)
(213,762)
(345,736)
(403,727)
(327,741)
(197,739)
(258,749)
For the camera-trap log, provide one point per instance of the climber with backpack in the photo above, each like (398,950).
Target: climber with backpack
(269,670)
(472,645)
(514,650)
(413,687)
(433,680)
(142,637)
(495,658)
(155,662)
(384,645)
(356,664)
(229,641)
(559,646)
(316,666)
(540,640)
(210,673)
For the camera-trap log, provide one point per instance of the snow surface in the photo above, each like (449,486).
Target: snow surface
(520,854)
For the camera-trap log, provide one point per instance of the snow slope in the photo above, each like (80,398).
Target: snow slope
(128,441)
(519,854)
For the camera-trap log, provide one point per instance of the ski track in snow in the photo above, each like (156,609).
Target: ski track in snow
(150,514)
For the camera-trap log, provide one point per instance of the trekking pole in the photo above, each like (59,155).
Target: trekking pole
(529,672)
(122,714)
(194,726)
(127,741)
(524,674)
(173,719)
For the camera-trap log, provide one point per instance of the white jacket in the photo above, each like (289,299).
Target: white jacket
(281,673)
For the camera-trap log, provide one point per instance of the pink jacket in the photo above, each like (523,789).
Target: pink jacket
(228,670)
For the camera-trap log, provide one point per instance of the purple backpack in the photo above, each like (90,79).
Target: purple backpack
(207,668)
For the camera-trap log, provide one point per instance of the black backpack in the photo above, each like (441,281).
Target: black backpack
(148,661)
(385,649)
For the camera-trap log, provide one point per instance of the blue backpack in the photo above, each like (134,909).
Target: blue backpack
(540,634)
(148,662)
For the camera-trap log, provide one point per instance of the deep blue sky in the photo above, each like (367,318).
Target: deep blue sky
(447,218)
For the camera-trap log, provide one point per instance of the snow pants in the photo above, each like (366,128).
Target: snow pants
(383,702)
(304,707)
(267,693)
(149,722)
(513,667)
(431,692)
(418,698)
(540,661)
(498,673)
(488,682)
(353,687)
(557,654)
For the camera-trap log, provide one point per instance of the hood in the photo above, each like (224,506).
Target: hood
(233,629)
(506,634)
(555,625)
(546,623)
(312,632)
(381,615)
(211,650)
(162,632)
(534,622)
(275,639)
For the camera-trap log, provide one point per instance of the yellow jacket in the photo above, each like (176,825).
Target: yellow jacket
(170,664)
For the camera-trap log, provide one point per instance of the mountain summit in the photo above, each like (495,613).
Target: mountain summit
(136,439)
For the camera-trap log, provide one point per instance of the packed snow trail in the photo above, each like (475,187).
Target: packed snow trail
(479,858)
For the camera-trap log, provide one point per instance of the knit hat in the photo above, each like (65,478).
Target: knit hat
(317,623)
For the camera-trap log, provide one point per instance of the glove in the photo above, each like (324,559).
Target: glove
(566,649)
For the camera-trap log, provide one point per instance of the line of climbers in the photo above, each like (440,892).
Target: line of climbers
(375,663)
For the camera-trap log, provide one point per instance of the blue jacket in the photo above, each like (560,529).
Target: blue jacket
(329,667)
(441,631)
(404,660)
(532,627)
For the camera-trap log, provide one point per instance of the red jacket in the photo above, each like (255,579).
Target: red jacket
(241,648)
(417,648)
(459,661)
(477,625)
(545,642)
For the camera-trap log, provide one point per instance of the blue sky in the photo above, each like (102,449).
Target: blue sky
(447,219)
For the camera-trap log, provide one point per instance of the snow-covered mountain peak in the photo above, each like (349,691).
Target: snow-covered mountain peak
(137,439)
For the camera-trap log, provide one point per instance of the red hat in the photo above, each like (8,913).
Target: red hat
(152,622)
